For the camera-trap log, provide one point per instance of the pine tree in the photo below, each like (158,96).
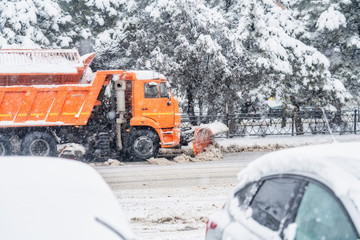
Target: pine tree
(276,62)
(89,19)
(32,23)
(333,27)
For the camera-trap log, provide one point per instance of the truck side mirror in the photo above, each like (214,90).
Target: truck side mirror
(168,103)
(169,95)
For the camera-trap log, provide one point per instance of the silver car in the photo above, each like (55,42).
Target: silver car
(301,193)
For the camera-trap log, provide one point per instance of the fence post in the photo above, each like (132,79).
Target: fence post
(227,119)
(355,117)
(227,124)
(292,125)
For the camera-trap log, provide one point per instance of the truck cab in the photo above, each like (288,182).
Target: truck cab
(154,115)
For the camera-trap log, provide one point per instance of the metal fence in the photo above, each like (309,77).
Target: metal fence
(278,123)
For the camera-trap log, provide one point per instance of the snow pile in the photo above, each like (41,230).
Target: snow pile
(215,127)
(88,77)
(39,61)
(72,150)
(256,144)
(209,154)
(256,147)
(147,75)
(160,161)
(177,219)
(109,162)
(183,158)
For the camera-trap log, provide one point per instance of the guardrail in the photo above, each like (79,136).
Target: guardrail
(278,123)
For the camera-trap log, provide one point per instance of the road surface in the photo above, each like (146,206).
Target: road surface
(173,201)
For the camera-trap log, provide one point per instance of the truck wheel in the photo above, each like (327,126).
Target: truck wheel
(5,146)
(143,144)
(39,144)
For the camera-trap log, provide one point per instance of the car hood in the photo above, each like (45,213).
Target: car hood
(57,199)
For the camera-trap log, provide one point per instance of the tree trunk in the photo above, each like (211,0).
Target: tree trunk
(297,117)
(230,97)
(191,105)
(298,122)
(202,119)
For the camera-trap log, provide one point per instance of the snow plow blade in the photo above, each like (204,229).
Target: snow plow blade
(203,135)
(202,139)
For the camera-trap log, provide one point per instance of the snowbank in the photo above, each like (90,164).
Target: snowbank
(209,154)
(216,127)
(255,144)
(72,150)
(160,161)
(109,162)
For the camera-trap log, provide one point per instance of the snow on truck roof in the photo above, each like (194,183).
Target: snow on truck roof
(17,61)
(147,75)
(337,164)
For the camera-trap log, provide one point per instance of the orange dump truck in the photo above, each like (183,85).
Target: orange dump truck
(50,96)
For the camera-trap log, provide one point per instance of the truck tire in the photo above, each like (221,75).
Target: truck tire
(5,146)
(143,144)
(39,144)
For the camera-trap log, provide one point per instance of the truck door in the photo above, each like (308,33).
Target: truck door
(157,104)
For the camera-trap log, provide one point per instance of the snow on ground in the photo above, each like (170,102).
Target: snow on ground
(109,162)
(271,143)
(237,144)
(209,154)
(172,213)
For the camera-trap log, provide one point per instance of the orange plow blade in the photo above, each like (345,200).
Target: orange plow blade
(202,139)
(204,134)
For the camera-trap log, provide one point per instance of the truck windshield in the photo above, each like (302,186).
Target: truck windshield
(151,90)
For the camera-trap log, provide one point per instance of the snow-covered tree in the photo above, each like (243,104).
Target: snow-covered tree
(57,23)
(333,27)
(276,62)
(177,38)
(91,18)
(212,50)
(32,23)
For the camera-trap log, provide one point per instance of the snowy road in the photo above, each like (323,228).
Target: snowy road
(173,201)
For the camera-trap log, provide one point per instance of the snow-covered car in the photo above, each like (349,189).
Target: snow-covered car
(51,198)
(301,193)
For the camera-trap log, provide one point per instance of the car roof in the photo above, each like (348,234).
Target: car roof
(50,198)
(337,165)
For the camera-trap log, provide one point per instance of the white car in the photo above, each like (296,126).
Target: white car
(50,198)
(306,193)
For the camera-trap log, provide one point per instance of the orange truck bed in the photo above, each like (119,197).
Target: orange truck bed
(47,88)
(49,105)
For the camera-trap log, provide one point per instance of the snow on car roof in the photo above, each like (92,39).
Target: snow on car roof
(147,75)
(338,164)
(45,193)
